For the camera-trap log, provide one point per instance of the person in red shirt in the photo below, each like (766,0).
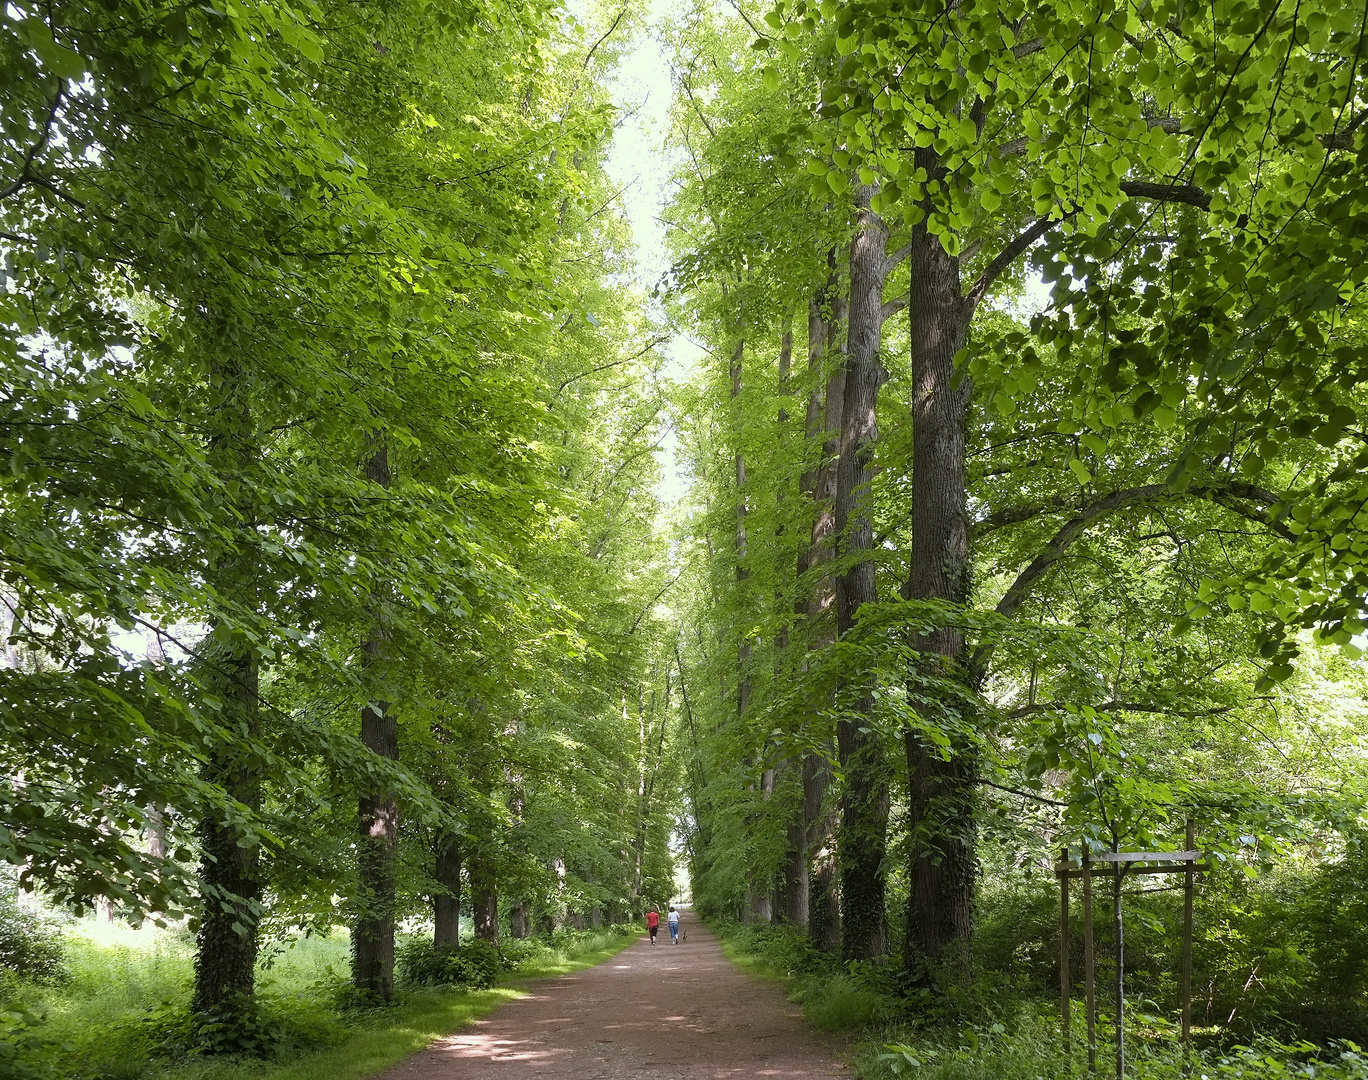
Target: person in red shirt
(653,922)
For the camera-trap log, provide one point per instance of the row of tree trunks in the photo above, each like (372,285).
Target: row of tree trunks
(808,899)
(820,816)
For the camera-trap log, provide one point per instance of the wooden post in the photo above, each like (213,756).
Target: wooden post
(1120,972)
(1090,1000)
(1064,1008)
(1187,937)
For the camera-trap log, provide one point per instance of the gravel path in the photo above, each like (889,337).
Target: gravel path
(661,1013)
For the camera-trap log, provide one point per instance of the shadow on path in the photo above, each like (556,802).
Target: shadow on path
(662,1012)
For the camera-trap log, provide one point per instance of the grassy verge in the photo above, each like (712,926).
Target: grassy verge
(108,1020)
(992,1030)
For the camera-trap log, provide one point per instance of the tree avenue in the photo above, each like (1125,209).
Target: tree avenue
(1024,465)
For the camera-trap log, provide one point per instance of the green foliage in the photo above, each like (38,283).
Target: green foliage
(476,963)
(25,1051)
(31,945)
(266,1026)
(1028,1047)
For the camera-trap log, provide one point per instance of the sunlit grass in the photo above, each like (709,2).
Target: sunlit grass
(121,977)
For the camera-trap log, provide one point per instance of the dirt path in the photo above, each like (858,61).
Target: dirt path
(662,1013)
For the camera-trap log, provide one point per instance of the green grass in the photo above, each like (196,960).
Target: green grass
(105,1016)
(831,1001)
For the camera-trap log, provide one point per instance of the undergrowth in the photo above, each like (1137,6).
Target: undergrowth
(999,1027)
(121,1009)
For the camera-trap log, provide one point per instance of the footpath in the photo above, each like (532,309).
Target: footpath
(663,1012)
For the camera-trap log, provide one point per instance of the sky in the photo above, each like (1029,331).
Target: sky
(640,165)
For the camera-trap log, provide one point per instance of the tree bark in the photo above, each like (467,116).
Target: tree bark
(864,810)
(824,910)
(230,870)
(378,813)
(484,897)
(446,903)
(941,811)
(230,864)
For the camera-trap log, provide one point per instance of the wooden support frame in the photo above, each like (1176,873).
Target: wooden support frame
(1117,865)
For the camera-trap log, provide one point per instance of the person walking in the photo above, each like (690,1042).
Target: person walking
(674,925)
(653,922)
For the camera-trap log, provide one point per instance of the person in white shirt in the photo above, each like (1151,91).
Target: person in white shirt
(674,925)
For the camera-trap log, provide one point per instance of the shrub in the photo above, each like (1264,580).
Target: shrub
(30,944)
(25,1053)
(261,1026)
(475,964)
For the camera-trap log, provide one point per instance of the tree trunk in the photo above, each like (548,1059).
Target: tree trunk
(484,898)
(824,908)
(230,864)
(864,811)
(446,903)
(941,812)
(520,920)
(743,687)
(378,815)
(824,911)
(230,871)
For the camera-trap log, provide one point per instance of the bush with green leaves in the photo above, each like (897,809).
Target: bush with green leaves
(26,1053)
(262,1026)
(421,963)
(30,943)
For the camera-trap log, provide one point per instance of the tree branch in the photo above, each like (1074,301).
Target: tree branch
(1132,706)
(1009,255)
(26,174)
(1072,529)
(894,306)
(612,364)
(1187,194)
(600,41)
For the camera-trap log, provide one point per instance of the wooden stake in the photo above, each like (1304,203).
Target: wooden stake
(1120,975)
(1090,999)
(1187,940)
(1064,1006)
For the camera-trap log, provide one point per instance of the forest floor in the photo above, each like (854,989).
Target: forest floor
(661,1012)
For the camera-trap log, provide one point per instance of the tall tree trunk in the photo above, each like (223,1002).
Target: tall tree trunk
(378,811)
(797,874)
(230,864)
(790,902)
(520,920)
(743,687)
(819,819)
(446,903)
(941,811)
(864,811)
